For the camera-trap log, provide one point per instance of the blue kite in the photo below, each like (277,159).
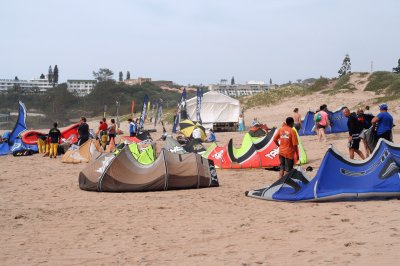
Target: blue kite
(337,119)
(339,178)
(11,141)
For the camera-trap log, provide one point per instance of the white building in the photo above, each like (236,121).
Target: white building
(237,90)
(27,86)
(81,87)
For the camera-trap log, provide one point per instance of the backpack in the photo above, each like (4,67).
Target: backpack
(318,118)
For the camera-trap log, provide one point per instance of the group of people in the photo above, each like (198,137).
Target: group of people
(133,127)
(106,134)
(358,122)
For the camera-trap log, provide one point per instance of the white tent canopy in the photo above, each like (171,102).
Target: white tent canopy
(215,108)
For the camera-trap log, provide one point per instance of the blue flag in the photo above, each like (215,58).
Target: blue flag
(144,111)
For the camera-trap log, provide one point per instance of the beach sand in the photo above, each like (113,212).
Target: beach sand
(46,219)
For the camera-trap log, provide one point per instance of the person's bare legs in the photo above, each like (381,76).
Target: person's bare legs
(351,153)
(322,134)
(360,154)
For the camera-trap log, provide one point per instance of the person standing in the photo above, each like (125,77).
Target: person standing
(102,133)
(286,140)
(384,123)
(322,122)
(55,137)
(212,137)
(83,131)
(297,119)
(355,128)
(241,123)
(112,130)
(132,128)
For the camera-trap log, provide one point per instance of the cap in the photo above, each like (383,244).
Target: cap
(383,106)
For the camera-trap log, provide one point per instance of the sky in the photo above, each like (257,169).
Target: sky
(197,41)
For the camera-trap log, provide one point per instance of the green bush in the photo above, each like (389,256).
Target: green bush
(383,82)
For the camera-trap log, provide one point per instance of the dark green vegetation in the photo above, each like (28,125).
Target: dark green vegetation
(60,105)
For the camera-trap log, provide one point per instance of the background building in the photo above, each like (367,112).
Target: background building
(81,87)
(138,81)
(26,86)
(237,90)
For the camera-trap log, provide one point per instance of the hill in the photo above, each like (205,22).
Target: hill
(352,90)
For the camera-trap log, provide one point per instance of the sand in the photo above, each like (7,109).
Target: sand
(46,219)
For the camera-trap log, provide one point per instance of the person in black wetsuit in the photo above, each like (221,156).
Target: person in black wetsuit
(55,137)
(355,128)
(83,131)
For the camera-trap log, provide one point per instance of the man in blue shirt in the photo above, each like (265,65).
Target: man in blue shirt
(212,138)
(384,122)
(132,128)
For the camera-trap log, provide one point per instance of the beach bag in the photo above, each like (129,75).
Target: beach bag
(318,118)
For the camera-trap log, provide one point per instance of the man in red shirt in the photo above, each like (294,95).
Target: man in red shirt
(286,140)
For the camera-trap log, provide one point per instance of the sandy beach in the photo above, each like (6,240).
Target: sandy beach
(46,219)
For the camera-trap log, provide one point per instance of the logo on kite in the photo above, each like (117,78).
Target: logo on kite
(219,155)
(176,149)
(272,154)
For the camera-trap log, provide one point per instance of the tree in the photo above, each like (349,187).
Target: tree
(298,80)
(346,66)
(50,75)
(128,75)
(233,80)
(55,75)
(103,74)
(16,78)
(42,76)
(121,76)
(397,69)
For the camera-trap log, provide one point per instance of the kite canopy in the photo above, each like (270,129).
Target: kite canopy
(337,119)
(253,153)
(20,126)
(88,151)
(123,173)
(339,178)
(187,126)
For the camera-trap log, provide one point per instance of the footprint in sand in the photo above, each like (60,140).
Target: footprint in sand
(349,244)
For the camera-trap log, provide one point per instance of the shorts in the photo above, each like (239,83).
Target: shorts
(297,126)
(354,144)
(285,163)
(320,126)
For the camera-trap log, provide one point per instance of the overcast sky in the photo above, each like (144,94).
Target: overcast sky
(193,42)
